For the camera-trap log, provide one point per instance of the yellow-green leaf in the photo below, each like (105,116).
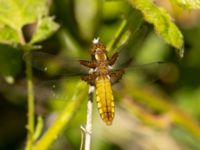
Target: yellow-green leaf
(8,35)
(187,4)
(162,23)
(17,13)
(39,127)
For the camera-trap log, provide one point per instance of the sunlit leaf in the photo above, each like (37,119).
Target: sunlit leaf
(187,4)
(15,14)
(8,35)
(162,23)
(39,127)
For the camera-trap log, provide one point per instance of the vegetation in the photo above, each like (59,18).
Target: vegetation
(157,104)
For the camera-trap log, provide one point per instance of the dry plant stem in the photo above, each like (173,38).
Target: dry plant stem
(31,118)
(88,128)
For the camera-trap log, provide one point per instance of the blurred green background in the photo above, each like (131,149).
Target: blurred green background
(157,106)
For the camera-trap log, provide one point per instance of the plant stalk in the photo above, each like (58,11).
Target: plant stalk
(31,118)
(30,94)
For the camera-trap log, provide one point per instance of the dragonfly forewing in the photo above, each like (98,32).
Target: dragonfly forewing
(56,73)
(56,64)
(151,72)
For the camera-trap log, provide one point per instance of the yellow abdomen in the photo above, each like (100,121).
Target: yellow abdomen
(105,101)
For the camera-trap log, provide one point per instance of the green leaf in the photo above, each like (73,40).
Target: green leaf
(39,127)
(14,14)
(45,27)
(162,23)
(17,13)
(8,35)
(187,4)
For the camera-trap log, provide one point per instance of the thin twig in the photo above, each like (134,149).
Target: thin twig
(88,128)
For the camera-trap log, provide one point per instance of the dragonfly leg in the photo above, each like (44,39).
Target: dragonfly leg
(89,78)
(116,75)
(89,64)
(113,59)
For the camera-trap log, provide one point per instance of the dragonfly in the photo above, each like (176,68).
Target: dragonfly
(101,75)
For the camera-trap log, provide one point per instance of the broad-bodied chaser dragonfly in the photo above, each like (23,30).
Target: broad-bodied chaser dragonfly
(102,76)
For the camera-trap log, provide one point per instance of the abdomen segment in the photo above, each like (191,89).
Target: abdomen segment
(105,101)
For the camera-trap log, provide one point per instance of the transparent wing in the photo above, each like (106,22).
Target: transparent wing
(56,64)
(53,73)
(58,89)
(151,71)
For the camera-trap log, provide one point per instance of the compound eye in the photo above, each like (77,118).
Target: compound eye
(100,56)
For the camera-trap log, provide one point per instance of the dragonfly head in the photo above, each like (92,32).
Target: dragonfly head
(100,55)
(98,50)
